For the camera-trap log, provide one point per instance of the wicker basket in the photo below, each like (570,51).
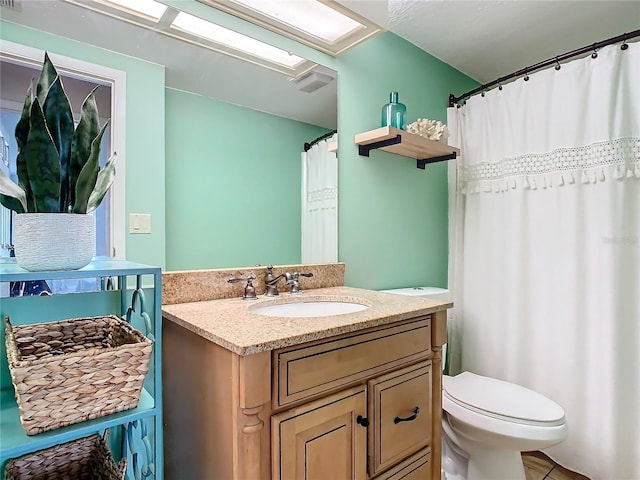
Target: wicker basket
(74,370)
(87,458)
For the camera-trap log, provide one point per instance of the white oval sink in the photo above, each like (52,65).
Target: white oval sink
(307,309)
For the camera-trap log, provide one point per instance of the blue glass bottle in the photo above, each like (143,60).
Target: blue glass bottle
(393,113)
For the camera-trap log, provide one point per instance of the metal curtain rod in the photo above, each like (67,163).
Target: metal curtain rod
(307,146)
(554,60)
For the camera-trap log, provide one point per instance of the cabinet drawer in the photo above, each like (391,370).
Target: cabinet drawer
(400,410)
(416,467)
(301,372)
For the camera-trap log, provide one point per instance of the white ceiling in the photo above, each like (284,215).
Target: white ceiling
(488,39)
(484,39)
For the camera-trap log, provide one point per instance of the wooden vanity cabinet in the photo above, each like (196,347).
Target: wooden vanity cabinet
(361,405)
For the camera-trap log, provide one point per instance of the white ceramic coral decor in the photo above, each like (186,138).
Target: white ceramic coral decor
(431,129)
(54,241)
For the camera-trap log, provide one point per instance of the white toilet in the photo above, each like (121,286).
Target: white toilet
(486,422)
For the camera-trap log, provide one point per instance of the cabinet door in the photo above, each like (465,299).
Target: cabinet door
(400,407)
(321,440)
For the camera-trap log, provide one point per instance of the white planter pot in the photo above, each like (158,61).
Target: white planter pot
(54,241)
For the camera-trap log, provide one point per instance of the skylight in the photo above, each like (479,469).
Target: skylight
(323,24)
(307,16)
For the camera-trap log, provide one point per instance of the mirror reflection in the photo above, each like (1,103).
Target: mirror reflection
(234,135)
(234,172)
(16,77)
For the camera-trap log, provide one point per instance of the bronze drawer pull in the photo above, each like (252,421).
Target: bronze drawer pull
(416,411)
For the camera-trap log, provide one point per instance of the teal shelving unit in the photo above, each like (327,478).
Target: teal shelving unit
(124,288)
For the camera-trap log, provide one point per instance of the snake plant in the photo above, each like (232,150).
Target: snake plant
(57,161)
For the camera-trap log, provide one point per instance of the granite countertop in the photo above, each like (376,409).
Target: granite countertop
(230,323)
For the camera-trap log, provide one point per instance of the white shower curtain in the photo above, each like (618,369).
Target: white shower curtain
(544,249)
(320,203)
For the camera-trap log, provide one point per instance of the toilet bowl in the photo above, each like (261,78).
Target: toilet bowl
(492,421)
(487,423)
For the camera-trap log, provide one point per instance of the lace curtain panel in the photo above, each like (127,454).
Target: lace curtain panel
(544,257)
(579,123)
(588,164)
(320,203)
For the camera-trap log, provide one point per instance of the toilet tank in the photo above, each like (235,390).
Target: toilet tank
(434,293)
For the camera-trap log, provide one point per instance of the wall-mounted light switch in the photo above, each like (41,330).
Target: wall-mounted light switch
(139,223)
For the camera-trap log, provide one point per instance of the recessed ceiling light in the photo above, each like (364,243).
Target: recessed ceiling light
(229,38)
(323,24)
(150,8)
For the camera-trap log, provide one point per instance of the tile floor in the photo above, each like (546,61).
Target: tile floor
(538,466)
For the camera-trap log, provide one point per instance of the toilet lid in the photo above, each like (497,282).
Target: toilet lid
(501,399)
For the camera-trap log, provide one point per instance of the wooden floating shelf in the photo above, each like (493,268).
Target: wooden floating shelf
(333,146)
(400,142)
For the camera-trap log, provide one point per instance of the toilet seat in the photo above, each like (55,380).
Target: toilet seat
(502,400)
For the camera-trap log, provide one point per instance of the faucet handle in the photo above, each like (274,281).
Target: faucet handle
(249,289)
(296,275)
(292,279)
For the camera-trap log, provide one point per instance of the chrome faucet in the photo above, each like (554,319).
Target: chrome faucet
(293,280)
(271,283)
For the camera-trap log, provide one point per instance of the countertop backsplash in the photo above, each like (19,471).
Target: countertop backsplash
(200,285)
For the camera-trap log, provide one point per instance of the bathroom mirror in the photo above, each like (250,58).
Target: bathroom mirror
(244,199)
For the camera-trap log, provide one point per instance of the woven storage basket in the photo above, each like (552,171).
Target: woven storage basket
(74,370)
(87,458)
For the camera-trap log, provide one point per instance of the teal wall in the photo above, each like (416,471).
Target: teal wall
(145,120)
(232,184)
(392,216)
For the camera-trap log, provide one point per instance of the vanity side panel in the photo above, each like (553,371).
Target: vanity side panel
(199,391)
(254,413)
(438,339)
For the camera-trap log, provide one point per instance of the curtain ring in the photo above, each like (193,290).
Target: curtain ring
(624,45)
(526,76)
(557,67)
(500,87)
(594,55)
